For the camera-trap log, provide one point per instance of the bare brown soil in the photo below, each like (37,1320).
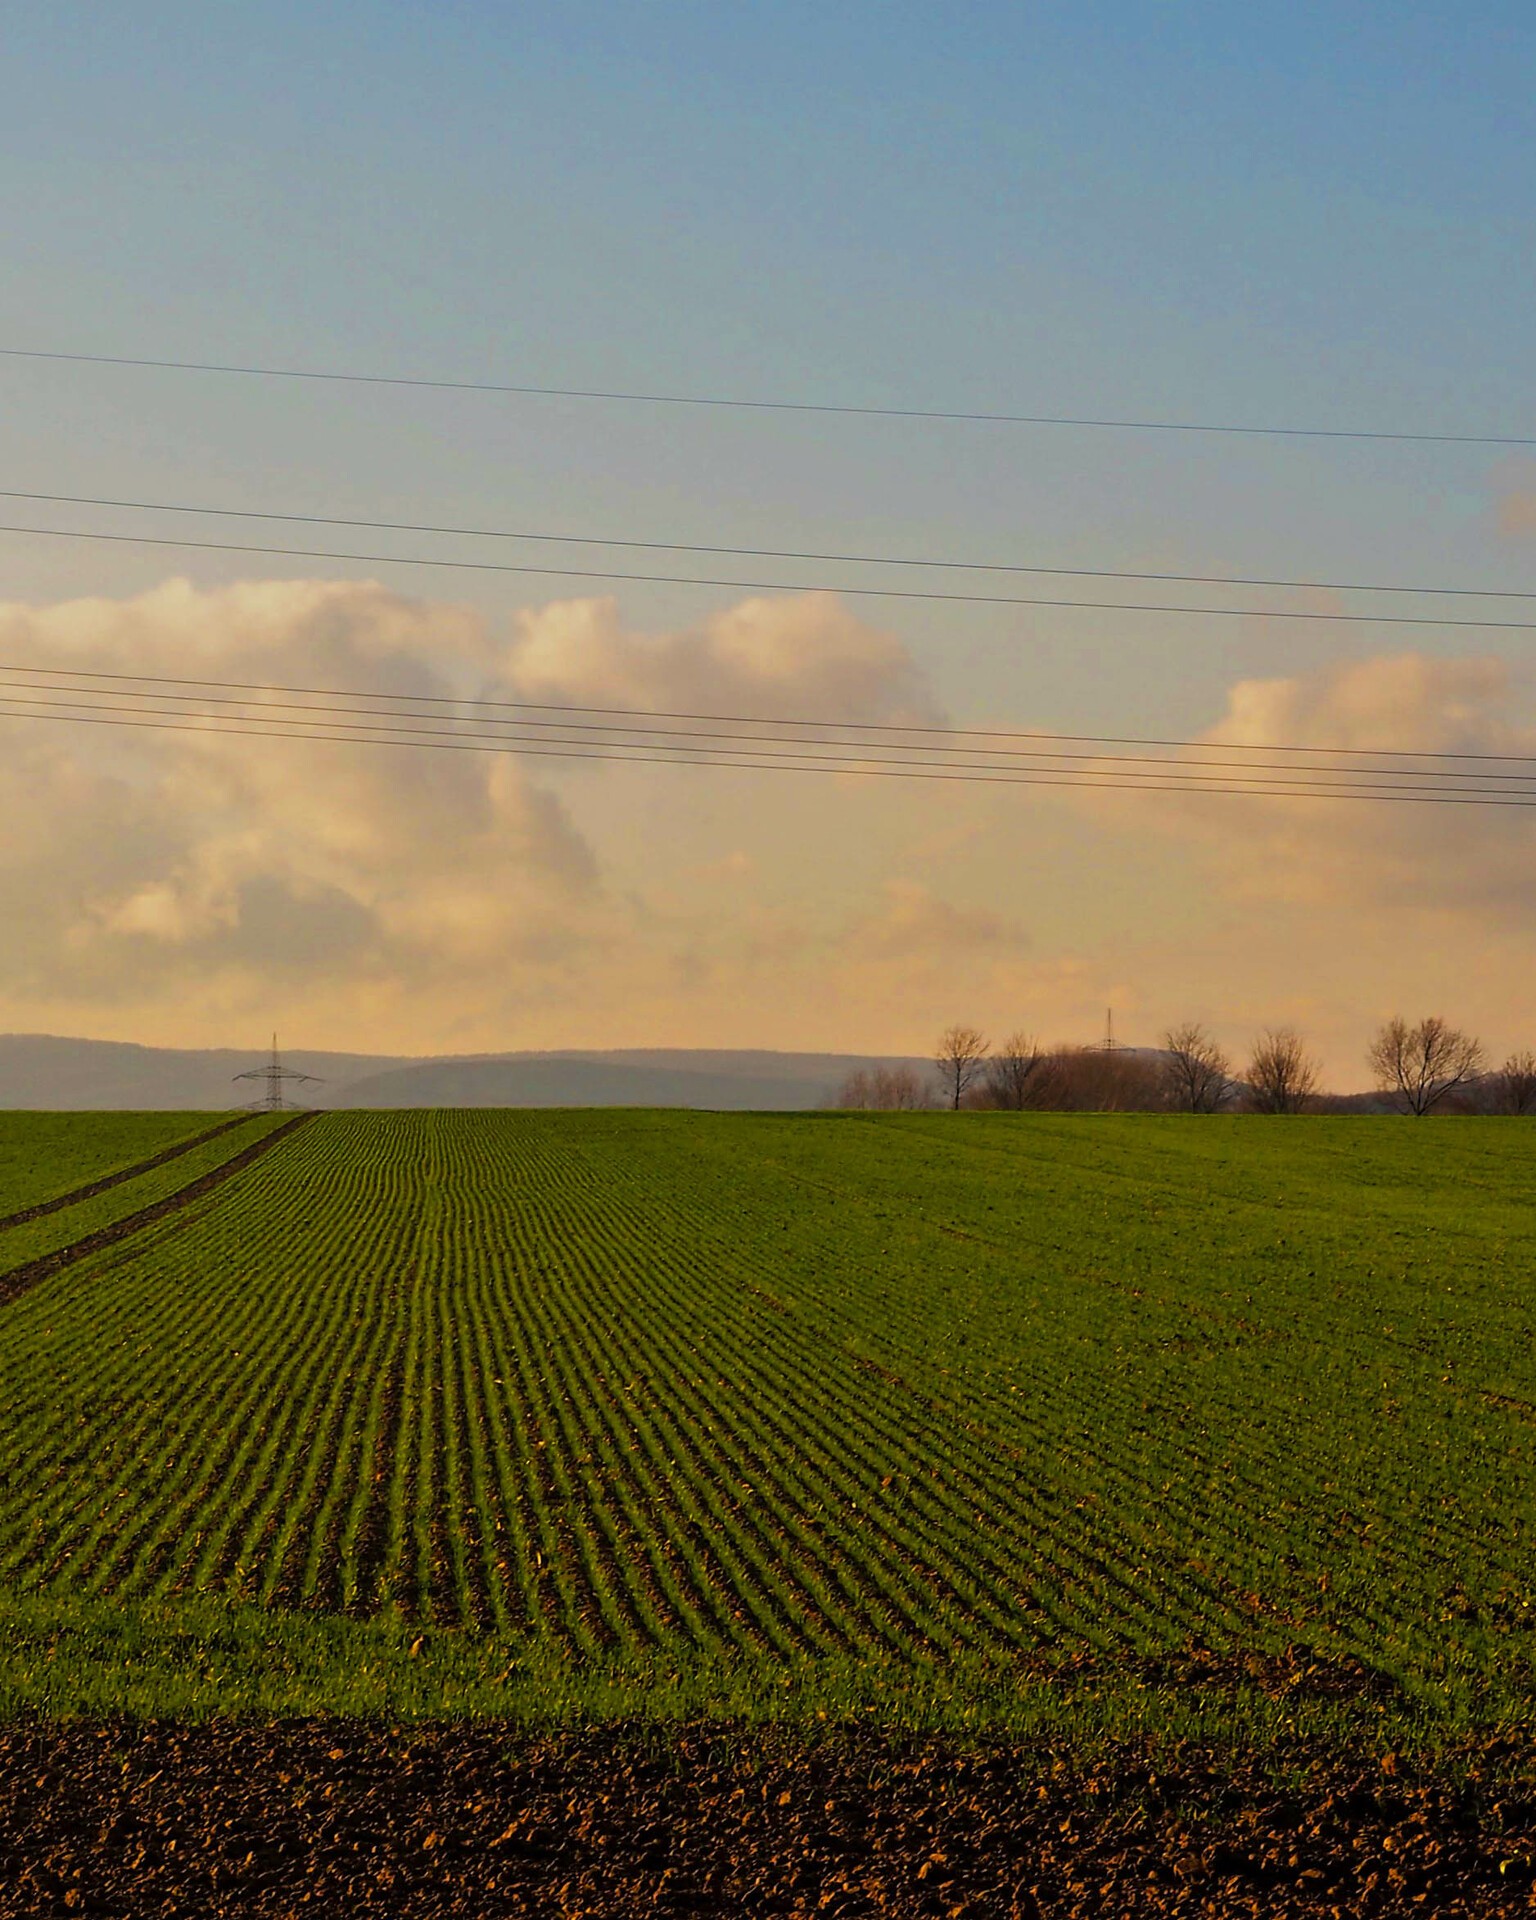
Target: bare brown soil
(343,1818)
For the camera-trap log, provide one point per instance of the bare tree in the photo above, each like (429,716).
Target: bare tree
(959,1057)
(1513,1087)
(1096,1080)
(853,1093)
(884,1090)
(1282,1075)
(1197,1074)
(1014,1073)
(1419,1066)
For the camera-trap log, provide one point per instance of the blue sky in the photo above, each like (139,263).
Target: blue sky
(1277,214)
(767,193)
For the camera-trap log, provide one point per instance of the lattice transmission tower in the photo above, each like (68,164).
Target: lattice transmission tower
(275,1074)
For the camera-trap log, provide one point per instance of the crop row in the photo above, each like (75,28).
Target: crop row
(68,1217)
(45,1155)
(776,1387)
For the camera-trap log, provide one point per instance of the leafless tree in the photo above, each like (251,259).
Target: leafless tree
(1196,1072)
(1282,1075)
(1513,1088)
(884,1090)
(1096,1080)
(1420,1066)
(1013,1073)
(959,1057)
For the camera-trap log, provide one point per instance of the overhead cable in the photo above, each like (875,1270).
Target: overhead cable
(763,748)
(767,553)
(335,725)
(640,732)
(1062,779)
(738,404)
(880,727)
(771,586)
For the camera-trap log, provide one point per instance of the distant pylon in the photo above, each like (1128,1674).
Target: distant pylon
(275,1073)
(1111,1045)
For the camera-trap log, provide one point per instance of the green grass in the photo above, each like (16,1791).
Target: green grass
(976,1419)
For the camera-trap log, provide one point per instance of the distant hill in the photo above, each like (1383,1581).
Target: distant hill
(46,1071)
(562,1081)
(51,1072)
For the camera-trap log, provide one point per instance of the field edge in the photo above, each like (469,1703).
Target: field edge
(192,1662)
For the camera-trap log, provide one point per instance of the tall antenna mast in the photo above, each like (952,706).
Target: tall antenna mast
(1111,1045)
(274,1073)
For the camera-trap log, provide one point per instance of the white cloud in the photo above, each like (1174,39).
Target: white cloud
(187,887)
(147,864)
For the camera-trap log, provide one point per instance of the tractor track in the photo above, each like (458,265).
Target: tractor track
(26,1276)
(79,1194)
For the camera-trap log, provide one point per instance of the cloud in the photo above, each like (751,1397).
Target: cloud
(738,864)
(189,888)
(804,656)
(911,923)
(1424,857)
(166,872)
(155,866)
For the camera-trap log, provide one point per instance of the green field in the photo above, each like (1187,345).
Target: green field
(64,1177)
(43,1155)
(979,1418)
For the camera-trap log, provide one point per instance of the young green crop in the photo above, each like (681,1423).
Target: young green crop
(45,1155)
(102,1193)
(784,1397)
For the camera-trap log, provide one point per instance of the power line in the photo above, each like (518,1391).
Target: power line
(849,758)
(274,1075)
(884,727)
(774,406)
(1061,779)
(638,735)
(768,553)
(771,586)
(1361,784)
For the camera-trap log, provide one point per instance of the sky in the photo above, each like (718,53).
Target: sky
(1301,215)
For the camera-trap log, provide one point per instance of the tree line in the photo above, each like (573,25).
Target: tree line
(1424,1067)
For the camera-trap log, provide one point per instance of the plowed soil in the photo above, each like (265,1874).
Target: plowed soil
(342,1818)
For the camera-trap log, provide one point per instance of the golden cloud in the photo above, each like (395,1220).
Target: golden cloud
(910,923)
(801,657)
(1428,856)
(152,869)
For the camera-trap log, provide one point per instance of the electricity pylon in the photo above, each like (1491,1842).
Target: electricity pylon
(275,1073)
